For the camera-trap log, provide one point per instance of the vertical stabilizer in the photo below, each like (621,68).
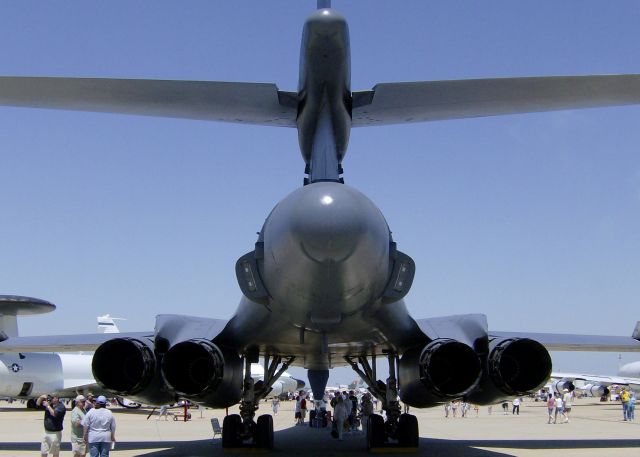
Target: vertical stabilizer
(12,306)
(106,324)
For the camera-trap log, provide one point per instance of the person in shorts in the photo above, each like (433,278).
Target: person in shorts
(559,408)
(78,446)
(54,412)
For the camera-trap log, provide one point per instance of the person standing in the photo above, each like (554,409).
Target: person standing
(367,410)
(341,414)
(54,412)
(559,408)
(275,404)
(516,406)
(99,429)
(297,410)
(551,406)
(631,407)
(566,401)
(303,407)
(78,446)
(624,398)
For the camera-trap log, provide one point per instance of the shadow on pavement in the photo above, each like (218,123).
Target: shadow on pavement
(318,442)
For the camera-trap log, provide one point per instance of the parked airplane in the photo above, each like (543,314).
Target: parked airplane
(597,385)
(27,375)
(325,281)
(31,374)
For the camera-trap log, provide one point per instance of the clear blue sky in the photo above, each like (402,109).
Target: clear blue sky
(531,219)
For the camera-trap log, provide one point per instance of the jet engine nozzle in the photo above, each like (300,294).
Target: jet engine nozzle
(201,371)
(125,366)
(518,366)
(193,367)
(449,367)
(442,370)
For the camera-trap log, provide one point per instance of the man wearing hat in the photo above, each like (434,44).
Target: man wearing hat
(78,446)
(99,429)
(54,412)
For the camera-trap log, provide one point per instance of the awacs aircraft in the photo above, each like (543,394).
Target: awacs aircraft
(27,375)
(324,283)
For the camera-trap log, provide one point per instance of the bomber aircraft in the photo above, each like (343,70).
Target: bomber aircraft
(323,285)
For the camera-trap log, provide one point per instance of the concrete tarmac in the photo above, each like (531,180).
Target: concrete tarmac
(596,429)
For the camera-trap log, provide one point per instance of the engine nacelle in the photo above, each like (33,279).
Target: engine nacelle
(128,367)
(595,390)
(514,367)
(199,370)
(443,370)
(559,386)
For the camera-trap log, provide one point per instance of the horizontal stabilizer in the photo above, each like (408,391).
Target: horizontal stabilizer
(399,103)
(247,103)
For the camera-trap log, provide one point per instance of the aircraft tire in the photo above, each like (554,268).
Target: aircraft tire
(264,432)
(231,431)
(31,403)
(375,431)
(408,434)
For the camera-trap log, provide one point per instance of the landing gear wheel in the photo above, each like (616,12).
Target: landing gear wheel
(264,432)
(231,426)
(408,434)
(31,404)
(375,431)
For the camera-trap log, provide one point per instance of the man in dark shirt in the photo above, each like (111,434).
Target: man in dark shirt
(54,412)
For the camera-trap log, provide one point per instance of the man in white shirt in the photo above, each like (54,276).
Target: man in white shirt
(99,429)
(567,399)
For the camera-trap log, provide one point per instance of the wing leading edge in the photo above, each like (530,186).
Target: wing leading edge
(572,342)
(407,102)
(247,103)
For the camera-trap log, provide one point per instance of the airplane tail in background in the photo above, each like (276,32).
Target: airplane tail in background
(12,306)
(106,324)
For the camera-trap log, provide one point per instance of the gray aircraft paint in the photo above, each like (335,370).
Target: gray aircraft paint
(325,279)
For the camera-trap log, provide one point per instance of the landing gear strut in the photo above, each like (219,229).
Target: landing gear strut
(399,430)
(241,430)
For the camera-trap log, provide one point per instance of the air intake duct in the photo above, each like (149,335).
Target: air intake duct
(442,370)
(128,367)
(199,370)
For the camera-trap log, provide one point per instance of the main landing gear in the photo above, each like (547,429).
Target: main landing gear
(399,430)
(241,430)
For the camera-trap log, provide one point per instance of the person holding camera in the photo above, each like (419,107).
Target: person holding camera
(54,412)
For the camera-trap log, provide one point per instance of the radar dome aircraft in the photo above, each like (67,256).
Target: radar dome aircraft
(323,285)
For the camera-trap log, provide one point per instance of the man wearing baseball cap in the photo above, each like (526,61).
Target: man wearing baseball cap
(99,429)
(54,412)
(78,446)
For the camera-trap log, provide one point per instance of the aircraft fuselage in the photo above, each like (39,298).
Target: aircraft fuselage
(326,252)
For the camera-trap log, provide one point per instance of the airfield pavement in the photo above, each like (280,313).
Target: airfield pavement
(596,429)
